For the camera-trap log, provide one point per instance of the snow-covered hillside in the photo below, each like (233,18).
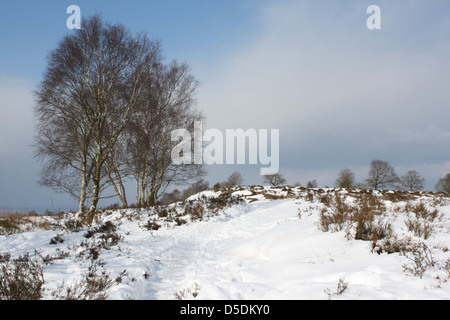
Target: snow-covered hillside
(248,243)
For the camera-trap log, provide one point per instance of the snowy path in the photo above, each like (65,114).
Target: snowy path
(264,251)
(192,251)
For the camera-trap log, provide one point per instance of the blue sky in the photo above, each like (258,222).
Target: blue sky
(341,95)
(189,29)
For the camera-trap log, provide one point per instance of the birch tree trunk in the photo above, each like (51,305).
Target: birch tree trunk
(84,182)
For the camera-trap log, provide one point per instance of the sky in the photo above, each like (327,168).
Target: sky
(339,93)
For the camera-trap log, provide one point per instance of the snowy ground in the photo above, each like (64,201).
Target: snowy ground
(260,249)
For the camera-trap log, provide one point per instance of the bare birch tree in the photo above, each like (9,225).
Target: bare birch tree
(90,89)
(167,103)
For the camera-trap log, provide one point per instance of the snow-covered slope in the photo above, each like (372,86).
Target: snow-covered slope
(255,243)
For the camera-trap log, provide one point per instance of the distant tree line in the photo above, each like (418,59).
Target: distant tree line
(381,175)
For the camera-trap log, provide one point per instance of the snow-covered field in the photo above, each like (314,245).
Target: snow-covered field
(271,244)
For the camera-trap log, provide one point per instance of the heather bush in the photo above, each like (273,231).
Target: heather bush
(94,285)
(21,278)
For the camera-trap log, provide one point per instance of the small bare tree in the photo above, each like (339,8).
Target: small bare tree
(312,184)
(381,175)
(274,179)
(346,179)
(443,184)
(167,102)
(235,179)
(412,181)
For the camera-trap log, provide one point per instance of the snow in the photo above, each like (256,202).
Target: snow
(203,194)
(255,250)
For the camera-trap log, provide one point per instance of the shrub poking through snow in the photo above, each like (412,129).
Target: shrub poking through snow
(421,222)
(21,278)
(362,219)
(188,293)
(422,259)
(152,225)
(341,287)
(195,211)
(94,285)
